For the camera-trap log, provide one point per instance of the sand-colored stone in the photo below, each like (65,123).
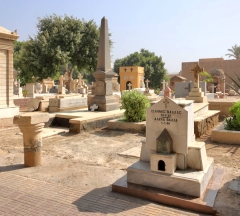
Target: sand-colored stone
(7,107)
(31,125)
(220,135)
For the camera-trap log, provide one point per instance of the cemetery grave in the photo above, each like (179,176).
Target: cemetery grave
(170,157)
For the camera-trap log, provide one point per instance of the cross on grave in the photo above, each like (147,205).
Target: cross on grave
(92,83)
(147,81)
(163,82)
(165,102)
(196,70)
(129,86)
(131,69)
(93,107)
(213,86)
(189,87)
(125,69)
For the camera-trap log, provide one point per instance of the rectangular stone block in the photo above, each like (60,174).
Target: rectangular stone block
(190,182)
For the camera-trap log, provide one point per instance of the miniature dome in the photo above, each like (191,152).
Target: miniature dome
(217,72)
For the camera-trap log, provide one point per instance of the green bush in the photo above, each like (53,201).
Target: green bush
(233,122)
(156,91)
(135,105)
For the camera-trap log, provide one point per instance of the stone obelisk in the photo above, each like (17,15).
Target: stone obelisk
(103,96)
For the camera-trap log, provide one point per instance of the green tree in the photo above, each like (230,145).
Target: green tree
(206,77)
(153,66)
(60,42)
(234,52)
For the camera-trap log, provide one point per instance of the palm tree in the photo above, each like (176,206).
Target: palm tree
(235,52)
(235,81)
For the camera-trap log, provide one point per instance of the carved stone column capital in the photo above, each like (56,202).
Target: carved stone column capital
(31,125)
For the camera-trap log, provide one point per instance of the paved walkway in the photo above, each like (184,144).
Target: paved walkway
(25,196)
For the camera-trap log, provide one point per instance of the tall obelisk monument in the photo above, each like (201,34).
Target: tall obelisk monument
(103,97)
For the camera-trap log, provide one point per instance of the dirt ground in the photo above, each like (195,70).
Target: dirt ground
(90,161)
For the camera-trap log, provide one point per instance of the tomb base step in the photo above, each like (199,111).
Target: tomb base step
(136,127)
(189,182)
(200,108)
(206,122)
(197,99)
(9,112)
(220,135)
(204,204)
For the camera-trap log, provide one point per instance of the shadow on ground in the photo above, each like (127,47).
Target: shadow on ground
(11,167)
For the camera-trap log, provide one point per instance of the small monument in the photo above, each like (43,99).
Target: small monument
(170,157)
(196,93)
(61,88)
(133,74)
(103,97)
(161,93)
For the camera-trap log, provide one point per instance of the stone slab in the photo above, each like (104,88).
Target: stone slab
(206,122)
(220,135)
(200,108)
(9,112)
(116,124)
(183,88)
(76,101)
(31,118)
(222,104)
(204,204)
(189,182)
(132,152)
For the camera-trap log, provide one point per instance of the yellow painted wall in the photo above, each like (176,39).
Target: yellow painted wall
(134,74)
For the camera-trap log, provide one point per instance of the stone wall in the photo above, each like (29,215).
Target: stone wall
(228,66)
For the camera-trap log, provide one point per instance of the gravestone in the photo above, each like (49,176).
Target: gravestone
(67,103)
(54,89)
(103,96)
(196,93)
(170,158)
(30,88)
(7,107)
(45,88)
(182,89)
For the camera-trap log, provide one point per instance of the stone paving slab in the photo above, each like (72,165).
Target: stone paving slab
(132,152)
(25,196)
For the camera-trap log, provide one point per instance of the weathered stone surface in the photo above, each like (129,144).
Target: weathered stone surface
(33,104)
(174,116)
(31,118)
(103,94)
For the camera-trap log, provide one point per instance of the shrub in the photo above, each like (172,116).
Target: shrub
(156,91)
(233,122)
(135,105)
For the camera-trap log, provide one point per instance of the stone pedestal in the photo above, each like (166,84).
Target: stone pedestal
(61,90)
(31,125)
(197,95)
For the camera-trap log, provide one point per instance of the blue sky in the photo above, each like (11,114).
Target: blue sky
(178,30)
